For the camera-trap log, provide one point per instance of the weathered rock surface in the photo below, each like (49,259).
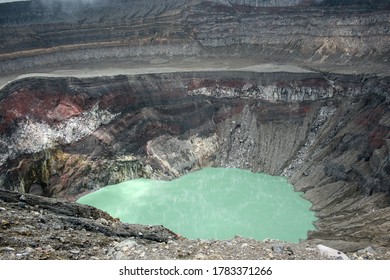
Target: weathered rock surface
(81,217)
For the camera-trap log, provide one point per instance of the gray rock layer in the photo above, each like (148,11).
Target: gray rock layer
(36,34)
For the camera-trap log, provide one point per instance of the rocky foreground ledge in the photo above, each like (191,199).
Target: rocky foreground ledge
(34,227)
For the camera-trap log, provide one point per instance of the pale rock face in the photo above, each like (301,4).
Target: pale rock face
(33,136)
(261,3)
(268,93)
(176,155)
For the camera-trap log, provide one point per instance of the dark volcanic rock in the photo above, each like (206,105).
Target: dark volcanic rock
(78,216)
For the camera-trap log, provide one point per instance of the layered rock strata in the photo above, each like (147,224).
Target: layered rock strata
(317,34)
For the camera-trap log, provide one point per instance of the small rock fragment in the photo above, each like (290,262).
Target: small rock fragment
(5,224)
(28,250)
(289,250)
(35,213)
(48,248)
(171,242)
(75,251)
(103,221)
(369,250)
(128,243)
(215,257)
(119,256)
(331,253)
(7,249)
(278,249)
(200,256)
(58,226)
(22,204)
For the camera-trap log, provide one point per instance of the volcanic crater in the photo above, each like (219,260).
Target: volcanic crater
(96,96)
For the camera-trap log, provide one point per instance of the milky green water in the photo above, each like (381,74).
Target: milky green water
(213,203)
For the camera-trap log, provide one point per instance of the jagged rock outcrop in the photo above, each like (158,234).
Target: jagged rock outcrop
(79,217)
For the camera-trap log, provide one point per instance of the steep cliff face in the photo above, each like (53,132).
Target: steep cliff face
(246,113)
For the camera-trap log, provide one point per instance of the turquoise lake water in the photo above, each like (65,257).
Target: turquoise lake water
(213,203)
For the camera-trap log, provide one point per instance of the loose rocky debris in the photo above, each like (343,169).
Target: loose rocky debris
(38,228)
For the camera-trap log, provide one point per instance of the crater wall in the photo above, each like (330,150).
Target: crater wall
(309,33)
(329,134)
